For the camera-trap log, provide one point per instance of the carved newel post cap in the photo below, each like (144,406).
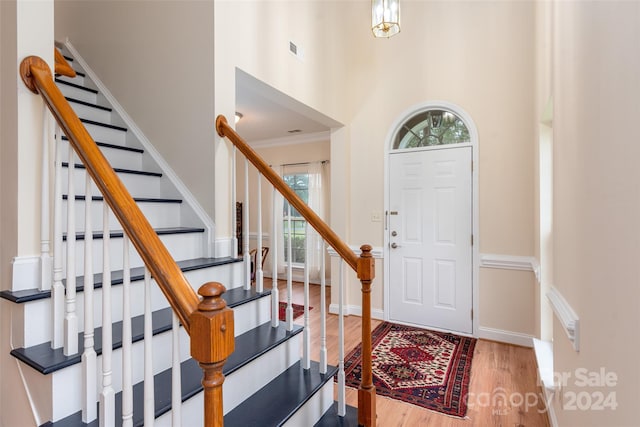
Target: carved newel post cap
(211,293)
(366,264)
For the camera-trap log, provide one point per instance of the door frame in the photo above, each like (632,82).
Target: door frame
(473,132)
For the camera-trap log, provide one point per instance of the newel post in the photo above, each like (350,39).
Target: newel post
(366,391)
(212,341)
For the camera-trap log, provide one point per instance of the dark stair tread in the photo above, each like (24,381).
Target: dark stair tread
(117,147)
(88,104)
(249,345)
(77,86)
(78,73)
(136,199)
(137,273)
(118,170)
(331,418)
(275,403)
(106,125)
(68,58)
(159,231)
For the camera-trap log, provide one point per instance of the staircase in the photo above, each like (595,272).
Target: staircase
(265,382)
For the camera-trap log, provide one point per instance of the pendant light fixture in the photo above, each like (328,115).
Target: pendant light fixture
(385,17)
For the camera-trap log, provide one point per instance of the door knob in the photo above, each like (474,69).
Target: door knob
(394,245)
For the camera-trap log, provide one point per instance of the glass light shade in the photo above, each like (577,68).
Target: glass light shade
(385,17)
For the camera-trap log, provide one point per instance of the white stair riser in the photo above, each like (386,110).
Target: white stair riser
(242,383)
(123,159)
(158,214)
(67,400)
(38,312)
(136,184)
(314,408)
(106,134)
(91,113)
(181,247)
(78,80)
(76,93)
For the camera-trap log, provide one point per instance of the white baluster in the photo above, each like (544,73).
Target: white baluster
(289,272)
(234,201)
(70,316)
(176,374)
(342,408)
(127,382)
(258,266)
(89,363)
(245,228)
(323,312)
(275,303)
(57,290)
(45,205)
(149,398)
(306,333)
(107,396)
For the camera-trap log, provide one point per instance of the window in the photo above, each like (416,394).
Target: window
(299,183)
(432,128)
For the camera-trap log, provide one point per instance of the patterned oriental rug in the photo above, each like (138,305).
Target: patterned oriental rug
(425,368)
(298,310)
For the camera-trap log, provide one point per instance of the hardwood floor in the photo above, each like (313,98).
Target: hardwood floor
(503,388)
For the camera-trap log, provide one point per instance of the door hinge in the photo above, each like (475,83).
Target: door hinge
(471,165)
(472,240)
(472,314)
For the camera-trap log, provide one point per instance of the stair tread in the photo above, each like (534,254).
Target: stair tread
(46,360)
(137,273)
(78,73)
(77,86)
(106,125)
(118,170)
(88,104)
(117,147)
(191,374)
(136,199)
(331,418)
(159,231)
(275,403)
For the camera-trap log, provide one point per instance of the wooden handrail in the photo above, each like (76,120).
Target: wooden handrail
(224,130)
(62,67)
(36,75)
(364,265)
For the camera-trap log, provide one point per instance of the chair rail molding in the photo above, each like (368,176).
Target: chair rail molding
(568,318)
(511,262)
(376,252)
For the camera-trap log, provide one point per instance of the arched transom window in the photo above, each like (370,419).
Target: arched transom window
(430,128)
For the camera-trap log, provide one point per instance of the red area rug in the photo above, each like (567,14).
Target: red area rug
(417,366)
(298,310)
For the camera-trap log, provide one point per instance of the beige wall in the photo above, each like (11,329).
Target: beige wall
(478,55)
(20,158)
(157,60)
(597,202)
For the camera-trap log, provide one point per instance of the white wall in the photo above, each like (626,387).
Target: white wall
(597,202)
(157,60)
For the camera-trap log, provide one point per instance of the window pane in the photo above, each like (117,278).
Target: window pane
(432,128)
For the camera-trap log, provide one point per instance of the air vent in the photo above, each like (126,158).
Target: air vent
(295,131)
(296,50)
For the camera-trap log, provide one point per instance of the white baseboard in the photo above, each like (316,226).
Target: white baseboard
(356,310)
(222,247)
(508,337)
(26,273)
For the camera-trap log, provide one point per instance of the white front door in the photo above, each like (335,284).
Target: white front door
(430,237)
